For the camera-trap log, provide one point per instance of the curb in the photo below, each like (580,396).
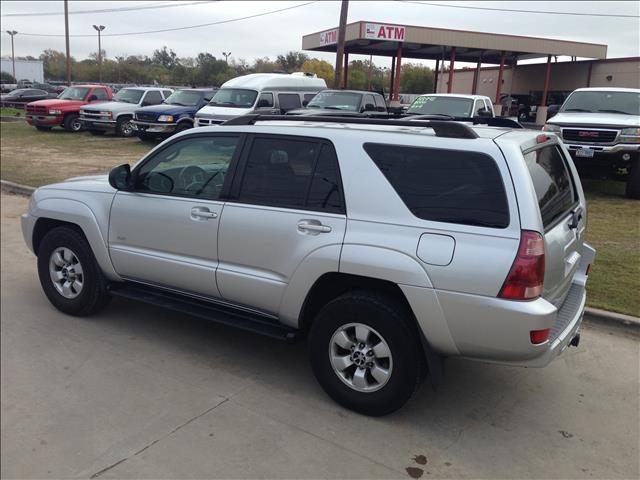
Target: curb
(596,314)
(613,318)
(16,188)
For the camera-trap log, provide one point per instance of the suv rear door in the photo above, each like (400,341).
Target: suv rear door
(562,217)
(285,206)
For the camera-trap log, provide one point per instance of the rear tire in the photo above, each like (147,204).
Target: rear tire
(633,180)
(43,129)
(389,379)
(69,273)
(72,123)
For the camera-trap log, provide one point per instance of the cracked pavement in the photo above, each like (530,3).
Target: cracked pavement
(138,392)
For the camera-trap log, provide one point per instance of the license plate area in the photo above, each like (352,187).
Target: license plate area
(585,153)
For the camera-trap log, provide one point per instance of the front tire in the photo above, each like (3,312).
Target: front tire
(72,123)
(69,273)
(365,352)
(124,127)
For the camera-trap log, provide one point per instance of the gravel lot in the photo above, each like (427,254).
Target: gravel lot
(137,392)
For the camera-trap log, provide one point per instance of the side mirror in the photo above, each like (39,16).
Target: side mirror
(305,103)
(262,103)
(483,112)
(369,107)
(120,177)
(93,98)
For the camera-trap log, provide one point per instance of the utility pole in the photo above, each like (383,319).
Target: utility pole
(226,56)
(66,35)
(99,29)
(342,28)
(13,55)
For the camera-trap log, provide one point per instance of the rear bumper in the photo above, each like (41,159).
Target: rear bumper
(44,120)
(498,331)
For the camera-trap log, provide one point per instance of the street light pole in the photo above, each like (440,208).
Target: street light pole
(13,56)
(99,28)
(226,56)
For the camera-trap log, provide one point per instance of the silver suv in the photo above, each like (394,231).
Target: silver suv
(390,244)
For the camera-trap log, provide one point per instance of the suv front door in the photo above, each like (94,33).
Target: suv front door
(164,232)
(285,206)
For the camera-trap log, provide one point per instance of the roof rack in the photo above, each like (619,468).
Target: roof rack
(442,128)
(488,121)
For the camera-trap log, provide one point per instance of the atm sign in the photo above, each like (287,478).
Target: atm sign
(378,31)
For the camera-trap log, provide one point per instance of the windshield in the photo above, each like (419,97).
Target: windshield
(74,93)
(234,97)
(336,101)
(186,98)
(432,105)
(128,95)
(627,103)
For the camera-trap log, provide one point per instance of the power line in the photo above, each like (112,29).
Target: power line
(109,10)
(546,12)
(173,29)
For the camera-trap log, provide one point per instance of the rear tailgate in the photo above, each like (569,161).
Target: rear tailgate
(563,213)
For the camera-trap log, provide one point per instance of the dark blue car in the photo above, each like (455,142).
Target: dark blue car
(173,115)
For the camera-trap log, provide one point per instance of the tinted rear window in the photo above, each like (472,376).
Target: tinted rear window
(551,181)
(445,185)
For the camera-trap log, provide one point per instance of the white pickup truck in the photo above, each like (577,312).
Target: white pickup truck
(601,129)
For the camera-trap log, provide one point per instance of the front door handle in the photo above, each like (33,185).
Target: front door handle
(313,227)
(198,213)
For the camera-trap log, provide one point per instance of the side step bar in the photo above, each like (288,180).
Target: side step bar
(207,310)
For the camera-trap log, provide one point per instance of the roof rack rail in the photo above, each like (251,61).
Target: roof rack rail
(488,121)
(442,128)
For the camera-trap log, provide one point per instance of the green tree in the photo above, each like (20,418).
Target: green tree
(321,68)
(264,65)
(7,77)
(167,58)
(55,64)
(292,61)
(416,79)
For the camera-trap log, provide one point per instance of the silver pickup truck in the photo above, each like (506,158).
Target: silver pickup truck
(116,115)
(601,129)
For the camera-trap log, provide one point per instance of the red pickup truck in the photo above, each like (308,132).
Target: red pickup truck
(64,110)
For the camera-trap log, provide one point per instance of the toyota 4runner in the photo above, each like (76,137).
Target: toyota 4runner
(390,244)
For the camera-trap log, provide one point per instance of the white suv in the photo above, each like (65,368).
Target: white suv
(392,244)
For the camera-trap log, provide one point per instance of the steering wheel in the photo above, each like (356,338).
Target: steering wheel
(158,182)
(191,178)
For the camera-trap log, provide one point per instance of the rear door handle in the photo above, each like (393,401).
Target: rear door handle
(202,213)
(313,227)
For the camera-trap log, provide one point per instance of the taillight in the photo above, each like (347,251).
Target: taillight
(526,276)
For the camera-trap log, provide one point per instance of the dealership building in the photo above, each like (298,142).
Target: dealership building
(546,82)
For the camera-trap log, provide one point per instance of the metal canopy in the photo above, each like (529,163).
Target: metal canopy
(437,43)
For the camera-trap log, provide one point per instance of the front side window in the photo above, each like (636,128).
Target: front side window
(438,105)
(289,101)
(381,106)
(368,100)
(347,101)
(100,94)
(128,95)
(184,98)
(194,167)
(265,100)
(552,182)
(234,98)
(287,173)
(74,93)
(445,185)
(479,106)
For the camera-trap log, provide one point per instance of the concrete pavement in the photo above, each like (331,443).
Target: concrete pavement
(138,392)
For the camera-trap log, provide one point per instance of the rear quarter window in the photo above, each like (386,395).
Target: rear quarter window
(445,185)
(552,182)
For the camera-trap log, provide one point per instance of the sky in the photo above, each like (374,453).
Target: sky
(276,33)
